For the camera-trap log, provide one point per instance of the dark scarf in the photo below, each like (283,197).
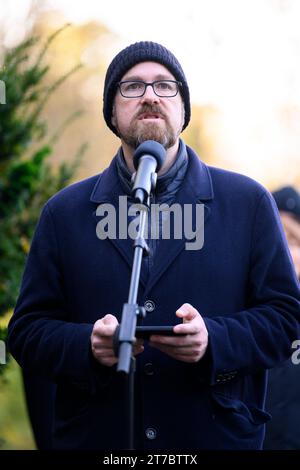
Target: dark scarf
(166,188)
(167,184)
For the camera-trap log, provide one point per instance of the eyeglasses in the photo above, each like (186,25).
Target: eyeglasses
(136,89)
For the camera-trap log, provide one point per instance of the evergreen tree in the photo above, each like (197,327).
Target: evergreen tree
(27,179)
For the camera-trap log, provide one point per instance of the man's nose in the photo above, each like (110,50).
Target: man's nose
(149,96)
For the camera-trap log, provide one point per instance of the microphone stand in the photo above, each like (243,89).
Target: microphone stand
(125,333)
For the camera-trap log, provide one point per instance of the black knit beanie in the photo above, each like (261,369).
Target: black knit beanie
(132,55)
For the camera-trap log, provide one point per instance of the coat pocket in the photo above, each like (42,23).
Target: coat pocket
(237,416)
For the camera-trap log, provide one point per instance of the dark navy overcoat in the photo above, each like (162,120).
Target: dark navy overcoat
(241,281)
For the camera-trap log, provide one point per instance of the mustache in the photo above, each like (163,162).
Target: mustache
(153,109)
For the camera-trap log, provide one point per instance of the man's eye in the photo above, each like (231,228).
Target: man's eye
(133,86)
(164,86)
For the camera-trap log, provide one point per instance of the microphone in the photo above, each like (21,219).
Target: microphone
(148,159)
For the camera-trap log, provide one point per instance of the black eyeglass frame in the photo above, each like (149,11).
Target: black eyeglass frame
(146,84)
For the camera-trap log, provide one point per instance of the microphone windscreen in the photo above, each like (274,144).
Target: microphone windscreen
(153,148)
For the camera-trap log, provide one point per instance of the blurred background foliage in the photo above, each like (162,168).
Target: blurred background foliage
(27,179)
(15,430)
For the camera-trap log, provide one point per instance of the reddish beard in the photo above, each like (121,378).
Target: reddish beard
(141,130)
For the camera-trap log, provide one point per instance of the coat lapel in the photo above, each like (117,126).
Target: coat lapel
(108,191)
(196,189)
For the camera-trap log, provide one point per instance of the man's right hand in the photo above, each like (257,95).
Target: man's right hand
(102,341)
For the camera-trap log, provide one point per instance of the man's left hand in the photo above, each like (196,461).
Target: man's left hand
(190,347)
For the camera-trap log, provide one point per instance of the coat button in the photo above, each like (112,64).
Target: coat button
(149,369)
(150,433)
(149,306)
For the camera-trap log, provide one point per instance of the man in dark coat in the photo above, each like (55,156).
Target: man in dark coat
(234,297)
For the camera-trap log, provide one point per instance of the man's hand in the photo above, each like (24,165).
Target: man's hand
(102,341)
(188,348)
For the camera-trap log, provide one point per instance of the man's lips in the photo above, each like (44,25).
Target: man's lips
(150,116)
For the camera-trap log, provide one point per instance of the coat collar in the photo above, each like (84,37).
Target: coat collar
(196,188)
(197,183)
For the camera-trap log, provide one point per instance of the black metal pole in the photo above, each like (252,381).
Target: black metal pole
(131,310)
(131,403)
(138,255)
(148,158)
